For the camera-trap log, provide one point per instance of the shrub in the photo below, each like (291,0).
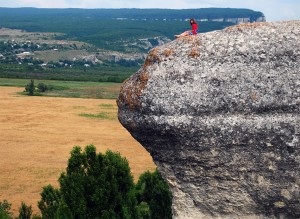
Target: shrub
(101,186)
(30,88)
(153,190)
(5,210)
(25,211)
(93,186)
(42,87)
(50,201)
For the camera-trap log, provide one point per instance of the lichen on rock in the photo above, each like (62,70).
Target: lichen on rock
(219,113)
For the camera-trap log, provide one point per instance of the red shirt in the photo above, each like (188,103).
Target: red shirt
(194,28)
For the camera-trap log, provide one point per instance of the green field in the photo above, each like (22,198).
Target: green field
(101,73)
(78,89)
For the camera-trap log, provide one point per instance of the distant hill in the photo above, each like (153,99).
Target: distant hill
(121,29)
(134,13)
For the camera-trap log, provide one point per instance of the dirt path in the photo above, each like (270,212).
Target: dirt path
(38,133)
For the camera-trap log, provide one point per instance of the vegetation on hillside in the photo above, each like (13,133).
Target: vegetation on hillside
(21,59)
(106,27)
(132,13)
(73,89)
(116,29)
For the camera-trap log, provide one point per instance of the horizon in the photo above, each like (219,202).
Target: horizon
(132,8)
(274,10)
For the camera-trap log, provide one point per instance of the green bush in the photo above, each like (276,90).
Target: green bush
(93,186)
(101,186)
(25,211)
(144,211)
(153,190)
(5,210)
(42,87)
(30,88)
(50,201)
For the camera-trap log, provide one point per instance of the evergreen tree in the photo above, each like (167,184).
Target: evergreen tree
(101,186)
(30,88)
(93,186)
(50,201)
(25,211)
(5,210)
(153,192)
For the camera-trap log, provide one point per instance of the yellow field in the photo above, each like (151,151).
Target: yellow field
(38,133)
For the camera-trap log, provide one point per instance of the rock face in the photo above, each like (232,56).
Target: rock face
(219,113)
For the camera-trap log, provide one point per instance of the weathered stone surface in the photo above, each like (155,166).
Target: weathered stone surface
(219,113)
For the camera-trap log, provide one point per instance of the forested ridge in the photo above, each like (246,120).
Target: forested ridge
(98,26)
(135,13)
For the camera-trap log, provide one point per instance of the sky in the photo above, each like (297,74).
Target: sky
(274,10)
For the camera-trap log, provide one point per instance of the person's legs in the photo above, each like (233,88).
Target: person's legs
(186,33)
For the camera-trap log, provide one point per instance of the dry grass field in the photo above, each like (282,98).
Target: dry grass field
(38,133)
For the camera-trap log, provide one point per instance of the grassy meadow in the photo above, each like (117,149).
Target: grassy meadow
(74,89)
(38,133)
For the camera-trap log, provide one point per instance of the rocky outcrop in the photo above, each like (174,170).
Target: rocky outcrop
(219,113)
(238,20)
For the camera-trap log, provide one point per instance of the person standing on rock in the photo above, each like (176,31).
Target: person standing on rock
(193,31)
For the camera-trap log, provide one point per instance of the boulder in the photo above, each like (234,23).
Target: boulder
(219,114)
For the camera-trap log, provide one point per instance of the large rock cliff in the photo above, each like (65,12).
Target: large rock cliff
(219,113)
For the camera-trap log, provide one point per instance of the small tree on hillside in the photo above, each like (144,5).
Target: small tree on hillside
(30,88)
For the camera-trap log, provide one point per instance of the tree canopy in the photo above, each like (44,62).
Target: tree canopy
(101,186)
